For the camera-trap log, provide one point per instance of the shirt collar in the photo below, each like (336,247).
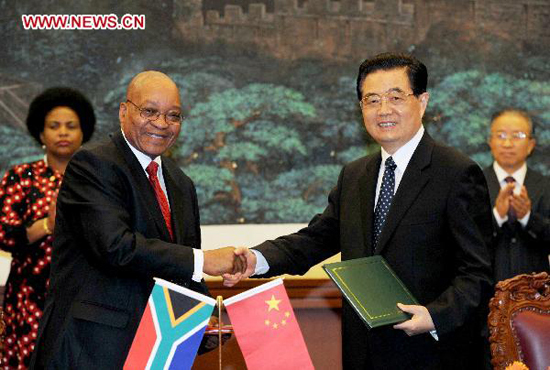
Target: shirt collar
(143,158)
(519,175)
(404,154)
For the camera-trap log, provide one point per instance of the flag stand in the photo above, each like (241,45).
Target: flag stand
(219,301)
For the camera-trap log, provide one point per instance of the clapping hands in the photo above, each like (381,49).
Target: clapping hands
(507,198)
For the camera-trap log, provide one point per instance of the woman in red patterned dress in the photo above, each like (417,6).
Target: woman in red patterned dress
(60,119)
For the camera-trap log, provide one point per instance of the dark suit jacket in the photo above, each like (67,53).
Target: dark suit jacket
(434,238)
(110,241)
(521,250)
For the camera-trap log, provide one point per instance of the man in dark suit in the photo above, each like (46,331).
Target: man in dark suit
(520,198)
(424,207)
(125,214)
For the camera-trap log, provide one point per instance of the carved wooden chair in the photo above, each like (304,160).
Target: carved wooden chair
(519,322)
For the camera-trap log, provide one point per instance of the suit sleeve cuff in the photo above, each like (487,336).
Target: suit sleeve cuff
(500,220)
(262,266)
(198,265)
(525,220)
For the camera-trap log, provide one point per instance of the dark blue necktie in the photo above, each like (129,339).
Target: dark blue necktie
(384,199)
(511,212)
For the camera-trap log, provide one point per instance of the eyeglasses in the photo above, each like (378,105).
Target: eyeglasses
(171,117)
(514,136)
(394,98)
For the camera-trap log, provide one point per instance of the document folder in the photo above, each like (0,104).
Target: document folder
(372,288)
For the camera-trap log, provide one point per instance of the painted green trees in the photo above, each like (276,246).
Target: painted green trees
(461,106)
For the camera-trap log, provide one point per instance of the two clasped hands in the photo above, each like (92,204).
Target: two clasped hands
(235,264)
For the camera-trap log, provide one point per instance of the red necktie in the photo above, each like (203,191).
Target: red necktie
(511,212)
(161,197)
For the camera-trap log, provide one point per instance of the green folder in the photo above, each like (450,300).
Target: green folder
(372,288)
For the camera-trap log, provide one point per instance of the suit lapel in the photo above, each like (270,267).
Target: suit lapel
(367,189)
(412,182)
(492,183)
(176,198)
(142,185)
(532,183)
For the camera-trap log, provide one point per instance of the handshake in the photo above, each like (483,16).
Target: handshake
(233,264)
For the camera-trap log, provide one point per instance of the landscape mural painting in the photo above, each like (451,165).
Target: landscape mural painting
(268,87)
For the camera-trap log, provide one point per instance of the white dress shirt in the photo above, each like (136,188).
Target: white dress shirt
(144,160)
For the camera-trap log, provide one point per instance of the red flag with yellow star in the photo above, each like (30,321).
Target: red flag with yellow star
(266,328)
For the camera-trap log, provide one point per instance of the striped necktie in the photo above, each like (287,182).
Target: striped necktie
(152,169)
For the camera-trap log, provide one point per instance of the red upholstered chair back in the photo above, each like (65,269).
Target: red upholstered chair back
(519,322)
(532,328)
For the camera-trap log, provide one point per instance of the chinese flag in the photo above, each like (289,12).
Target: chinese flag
(266,328)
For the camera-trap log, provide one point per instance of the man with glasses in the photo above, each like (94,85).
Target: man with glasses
(125,214)
(424,207)
(520,197)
